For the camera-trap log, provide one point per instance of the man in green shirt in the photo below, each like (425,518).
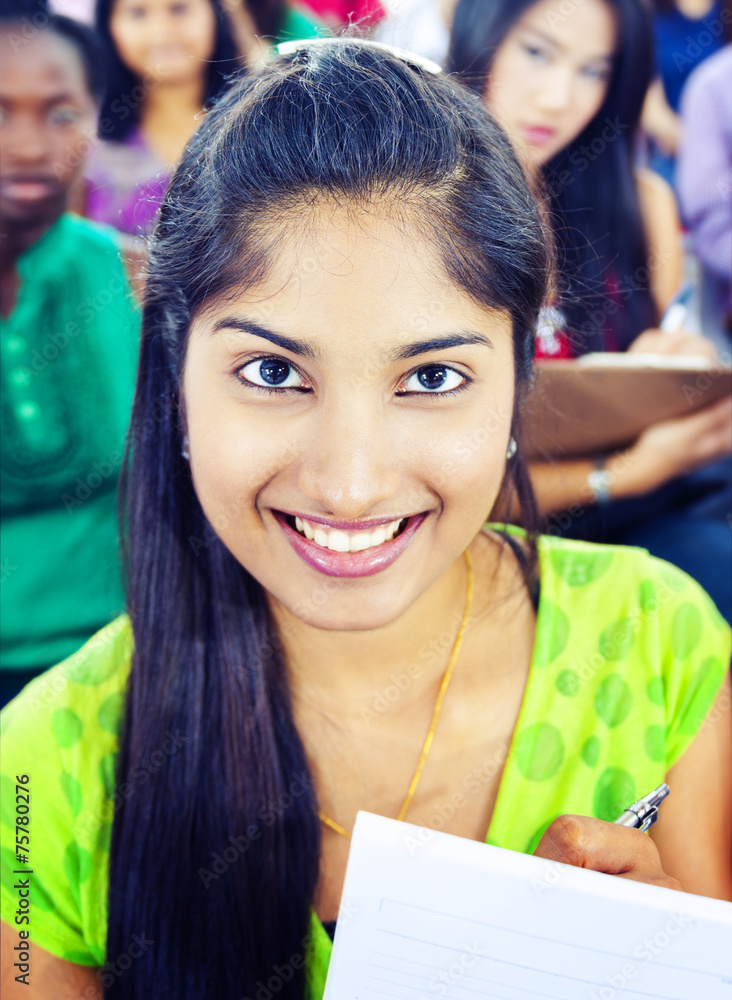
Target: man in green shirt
(68,344)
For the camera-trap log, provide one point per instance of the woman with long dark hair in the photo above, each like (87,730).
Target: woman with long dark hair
(166,61)
(337,342)
(568,86)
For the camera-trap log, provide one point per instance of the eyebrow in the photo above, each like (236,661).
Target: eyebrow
(562,48)
(304,349)
(245,326)
(439,344)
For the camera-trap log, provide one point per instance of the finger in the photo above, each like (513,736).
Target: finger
(586,842)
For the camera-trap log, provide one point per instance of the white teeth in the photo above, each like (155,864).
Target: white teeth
(339,541)
(360,542)
(342,541)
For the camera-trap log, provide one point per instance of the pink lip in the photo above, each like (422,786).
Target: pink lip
(27,189)
(350,564)
(539,136)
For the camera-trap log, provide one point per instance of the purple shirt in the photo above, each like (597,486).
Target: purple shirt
(704,180)
(127,183)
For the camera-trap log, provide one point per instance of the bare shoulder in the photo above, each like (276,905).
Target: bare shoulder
(657,200)
(49,977)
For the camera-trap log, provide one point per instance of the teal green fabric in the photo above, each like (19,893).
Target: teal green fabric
(629,656)
(300,23)
(69,354)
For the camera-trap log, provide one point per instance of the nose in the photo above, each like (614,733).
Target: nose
(25,142)
(556,89)
(350,463)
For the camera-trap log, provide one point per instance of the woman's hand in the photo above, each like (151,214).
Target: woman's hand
(604,847)
(672,448)
(673,342)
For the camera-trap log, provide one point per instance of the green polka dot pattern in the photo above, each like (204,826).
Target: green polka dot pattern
(616,640)
(613,700)
(580,569)
(67,727)
(628,657)
(686,630)
(614,792)
(110,712)
(568,683)
(655,691)
(591,751)
(539,751)
(648,597)
(655,742)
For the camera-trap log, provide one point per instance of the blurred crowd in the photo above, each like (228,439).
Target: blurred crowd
(620,114)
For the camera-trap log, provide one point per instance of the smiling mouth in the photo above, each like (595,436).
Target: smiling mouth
(337,540)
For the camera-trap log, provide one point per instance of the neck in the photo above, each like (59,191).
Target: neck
(15,240)
(179,101)
(354,670)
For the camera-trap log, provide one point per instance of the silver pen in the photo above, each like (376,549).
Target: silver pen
(644,812)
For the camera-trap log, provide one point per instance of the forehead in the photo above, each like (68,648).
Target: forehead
(350,276)
(40,67)
(588,30)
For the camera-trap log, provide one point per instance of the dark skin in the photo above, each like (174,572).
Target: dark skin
(47,119)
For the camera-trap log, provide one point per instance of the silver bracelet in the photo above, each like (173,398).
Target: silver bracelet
(598,481)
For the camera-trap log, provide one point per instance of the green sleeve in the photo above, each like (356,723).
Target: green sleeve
(30,747)
(696,643)
(63,732)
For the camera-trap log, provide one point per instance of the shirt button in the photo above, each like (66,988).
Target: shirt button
(28,410)
(20,377)
(15,344)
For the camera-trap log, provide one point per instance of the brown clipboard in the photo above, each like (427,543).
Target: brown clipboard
(601,402)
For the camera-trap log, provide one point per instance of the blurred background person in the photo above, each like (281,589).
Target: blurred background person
(69,333)
(166,60)
(686,32)
(704,187)
(568,86)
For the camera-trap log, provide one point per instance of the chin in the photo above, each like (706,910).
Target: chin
(344,613)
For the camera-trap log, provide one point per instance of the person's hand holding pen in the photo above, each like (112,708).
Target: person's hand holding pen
(618,848)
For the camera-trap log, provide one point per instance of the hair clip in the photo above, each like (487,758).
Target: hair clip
(411,58)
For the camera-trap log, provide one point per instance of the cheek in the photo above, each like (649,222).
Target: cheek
(71,149)
(129,43)
(199,35)
(507,89)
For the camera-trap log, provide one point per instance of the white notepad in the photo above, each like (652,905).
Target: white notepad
(426,914)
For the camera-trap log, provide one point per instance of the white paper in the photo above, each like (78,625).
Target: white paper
(426,914)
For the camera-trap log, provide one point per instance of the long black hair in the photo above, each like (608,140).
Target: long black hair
(125,93)
(590,186)
(216,857)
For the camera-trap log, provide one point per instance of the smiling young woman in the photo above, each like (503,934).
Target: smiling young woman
(340,310)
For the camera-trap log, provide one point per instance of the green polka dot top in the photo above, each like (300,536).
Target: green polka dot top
(629,656)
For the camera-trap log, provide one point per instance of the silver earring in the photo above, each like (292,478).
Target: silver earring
(184,448)
(512,449)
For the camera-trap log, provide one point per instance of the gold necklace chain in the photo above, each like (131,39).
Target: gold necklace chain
(435,714)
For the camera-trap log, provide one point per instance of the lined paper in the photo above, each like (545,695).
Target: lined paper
(426,914)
